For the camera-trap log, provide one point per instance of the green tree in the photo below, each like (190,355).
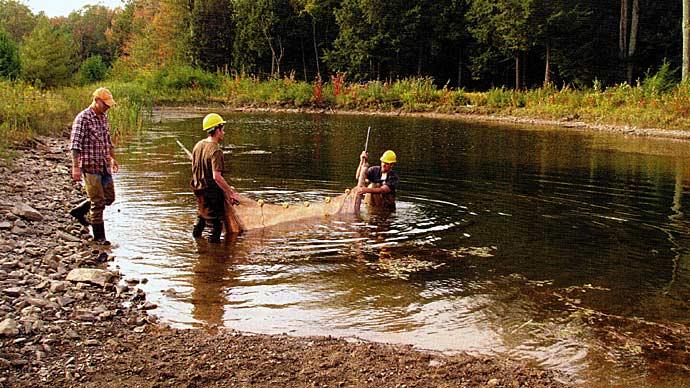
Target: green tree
(369,43)
(212,30)
(504,26)
(265,33)
(93,69)
(90,27)
(16,19)
(47,56)
(9,57)
(122,27)
(397,38)
(322,21)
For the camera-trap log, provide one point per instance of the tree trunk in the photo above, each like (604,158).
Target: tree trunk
(460,58)
(304,60)
(523,66)
(686,39)
(419,60)
(623,30)
(518,71)
(547,67)
(273,53)
(632,46)
(279,59)
(316,50)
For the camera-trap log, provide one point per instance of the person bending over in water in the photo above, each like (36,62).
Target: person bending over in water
(382,180)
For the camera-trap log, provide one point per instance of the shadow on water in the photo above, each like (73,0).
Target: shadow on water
(568,250)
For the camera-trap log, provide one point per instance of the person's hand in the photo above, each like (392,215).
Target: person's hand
(114,166)
(360,190)
(235,198)
(76,174)
(364,156)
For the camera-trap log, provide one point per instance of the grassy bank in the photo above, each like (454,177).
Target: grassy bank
(26,112)
(655,102)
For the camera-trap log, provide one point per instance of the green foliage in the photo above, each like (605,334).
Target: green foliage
(10,65)
(47,56)
(182,77)
(263,30)
(212,33)
(92,70)
(26,111)
(16,19)
(662,81)
(89,28)
(286,92)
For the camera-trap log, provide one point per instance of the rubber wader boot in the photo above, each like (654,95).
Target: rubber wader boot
(199,227)
(215,233)
(99,234)
(79,212)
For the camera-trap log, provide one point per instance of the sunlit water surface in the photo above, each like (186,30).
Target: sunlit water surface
(566,249)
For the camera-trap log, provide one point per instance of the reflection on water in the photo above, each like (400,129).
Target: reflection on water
(566,249)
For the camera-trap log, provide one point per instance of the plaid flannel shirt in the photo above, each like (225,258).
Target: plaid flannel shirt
(91,137)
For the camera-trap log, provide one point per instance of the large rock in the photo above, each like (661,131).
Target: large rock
(9,328)
(27,212)
(90,275)
(67,236)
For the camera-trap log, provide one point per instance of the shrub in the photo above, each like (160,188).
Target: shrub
(47,56)
(9,57)
(662,81)
(92,70)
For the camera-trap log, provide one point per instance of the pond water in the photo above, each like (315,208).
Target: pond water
(562,248)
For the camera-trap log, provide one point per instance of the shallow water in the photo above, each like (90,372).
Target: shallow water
(566,249)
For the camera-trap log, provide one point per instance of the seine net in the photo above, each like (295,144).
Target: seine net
(250,214)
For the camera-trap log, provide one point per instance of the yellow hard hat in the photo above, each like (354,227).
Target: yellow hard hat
(388,157)
(211,120)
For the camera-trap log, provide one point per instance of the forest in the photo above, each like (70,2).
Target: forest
(471,44)
(604,62)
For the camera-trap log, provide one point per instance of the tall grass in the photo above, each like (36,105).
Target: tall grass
(655,101)
(26,112)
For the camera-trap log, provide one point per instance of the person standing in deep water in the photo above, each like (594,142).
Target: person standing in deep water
(208,184)
(382,181)
(93,159)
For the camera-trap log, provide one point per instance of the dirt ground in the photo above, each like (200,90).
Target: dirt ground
(96,332)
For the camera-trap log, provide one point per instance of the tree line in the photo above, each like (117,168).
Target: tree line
(472,44)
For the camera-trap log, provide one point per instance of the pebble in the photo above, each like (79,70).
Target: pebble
(9,328)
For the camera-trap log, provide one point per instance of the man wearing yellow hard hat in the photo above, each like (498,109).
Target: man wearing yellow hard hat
(382,180)
(210,188)
(93,159)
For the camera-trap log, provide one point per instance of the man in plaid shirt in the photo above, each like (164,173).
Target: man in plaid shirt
(93,158)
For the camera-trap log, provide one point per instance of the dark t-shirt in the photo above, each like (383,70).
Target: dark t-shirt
(207,157)
(374,176)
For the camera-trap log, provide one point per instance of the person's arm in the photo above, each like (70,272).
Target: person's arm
(229,192)
(76,170)
(375,190)
(363,157)
(76,141)
(114,166)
